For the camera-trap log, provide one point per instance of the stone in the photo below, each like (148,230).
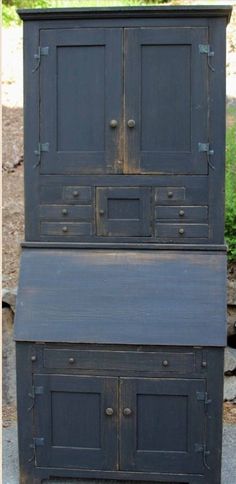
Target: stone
(9,297)
(8,356)
(231,292)
(230,388)
(230,360)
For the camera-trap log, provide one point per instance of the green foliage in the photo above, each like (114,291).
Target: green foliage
(230,202)
(10,16)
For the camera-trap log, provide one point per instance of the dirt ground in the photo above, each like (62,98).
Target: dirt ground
(13,189)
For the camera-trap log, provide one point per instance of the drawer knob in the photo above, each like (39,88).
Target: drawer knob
(170,194)
(109,411)
(165,363)
(131,123)
(75,193)
(64,211)
(33,358)
(113,123)
(181,231)
(71,361)
(101,212)
(181,213)
(65,229)
(127,411)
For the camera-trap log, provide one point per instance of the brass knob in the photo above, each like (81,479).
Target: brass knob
(181,213)
(113,123)
(181,231)
(127,411)
(165,363)
(65,229)
(101,212)
(109,411)
(170,194)
(71,361)
(75,193)
(131,123)
(64,211)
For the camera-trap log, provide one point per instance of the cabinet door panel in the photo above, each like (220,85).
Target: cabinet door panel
(166,96)
(70,416)
(80,93)
(165,425)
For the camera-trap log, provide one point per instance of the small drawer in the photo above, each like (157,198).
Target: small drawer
(119,360)
(182,231)
(169,193)
(65,229)
(77,194)
(65,212)
(181,213)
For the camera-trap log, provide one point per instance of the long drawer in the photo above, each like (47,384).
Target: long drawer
(183,213)
(182,230)
(119,360)
(65,228)
(65,212)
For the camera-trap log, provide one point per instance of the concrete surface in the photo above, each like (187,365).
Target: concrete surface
(10,457)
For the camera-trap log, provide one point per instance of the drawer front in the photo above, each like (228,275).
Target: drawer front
(182,231)
(181,213)
(65,229)
(59,194)
(65,212)
(169,193)
(77,194)
(119,360)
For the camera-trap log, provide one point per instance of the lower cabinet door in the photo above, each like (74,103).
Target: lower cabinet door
(75,419)
(162,425)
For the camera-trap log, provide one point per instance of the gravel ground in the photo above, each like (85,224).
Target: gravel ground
(10,457)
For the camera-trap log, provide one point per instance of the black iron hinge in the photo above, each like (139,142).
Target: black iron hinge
(34,392)
(37,442)
(206,49)
(205,453)
(42,148)
(40,52)
(204,397)
(205,147)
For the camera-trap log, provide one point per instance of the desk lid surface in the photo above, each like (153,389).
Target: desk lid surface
(122,297)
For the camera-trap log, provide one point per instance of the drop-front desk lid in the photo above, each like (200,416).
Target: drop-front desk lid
(127,297)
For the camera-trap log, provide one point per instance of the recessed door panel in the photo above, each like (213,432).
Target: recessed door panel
(123,212)
(166,100)
(81,94)
(71,417)
(162,425)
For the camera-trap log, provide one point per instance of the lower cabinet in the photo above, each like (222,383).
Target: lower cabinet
(156,418)
(130,424)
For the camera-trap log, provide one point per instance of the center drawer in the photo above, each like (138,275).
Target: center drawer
(119,360)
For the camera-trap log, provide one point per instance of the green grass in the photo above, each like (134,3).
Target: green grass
(230,199)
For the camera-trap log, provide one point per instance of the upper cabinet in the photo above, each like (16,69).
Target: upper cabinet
(81,100)
(124,101)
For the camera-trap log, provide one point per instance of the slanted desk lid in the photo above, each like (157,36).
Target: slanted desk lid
(126,297)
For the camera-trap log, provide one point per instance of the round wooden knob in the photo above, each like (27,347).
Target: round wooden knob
(170,194)
(181,231)
(75,193)
(64,211)
(101,212)
(113,123)
(181,213)
(109,411)
(65,229)
(71,361)
(127,411)
(131,123)
(165,363)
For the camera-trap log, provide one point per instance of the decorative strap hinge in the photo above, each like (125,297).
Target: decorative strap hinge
(37,442)
(205,453)
(42,148)
(204,397)
(206,49)
(40,52)
(205,147)
(34,392)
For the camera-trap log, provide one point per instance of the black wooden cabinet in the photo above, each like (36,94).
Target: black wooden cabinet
(121,310)
(125,100)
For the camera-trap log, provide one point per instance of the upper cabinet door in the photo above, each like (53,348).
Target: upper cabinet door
(81,101)
(165,100)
